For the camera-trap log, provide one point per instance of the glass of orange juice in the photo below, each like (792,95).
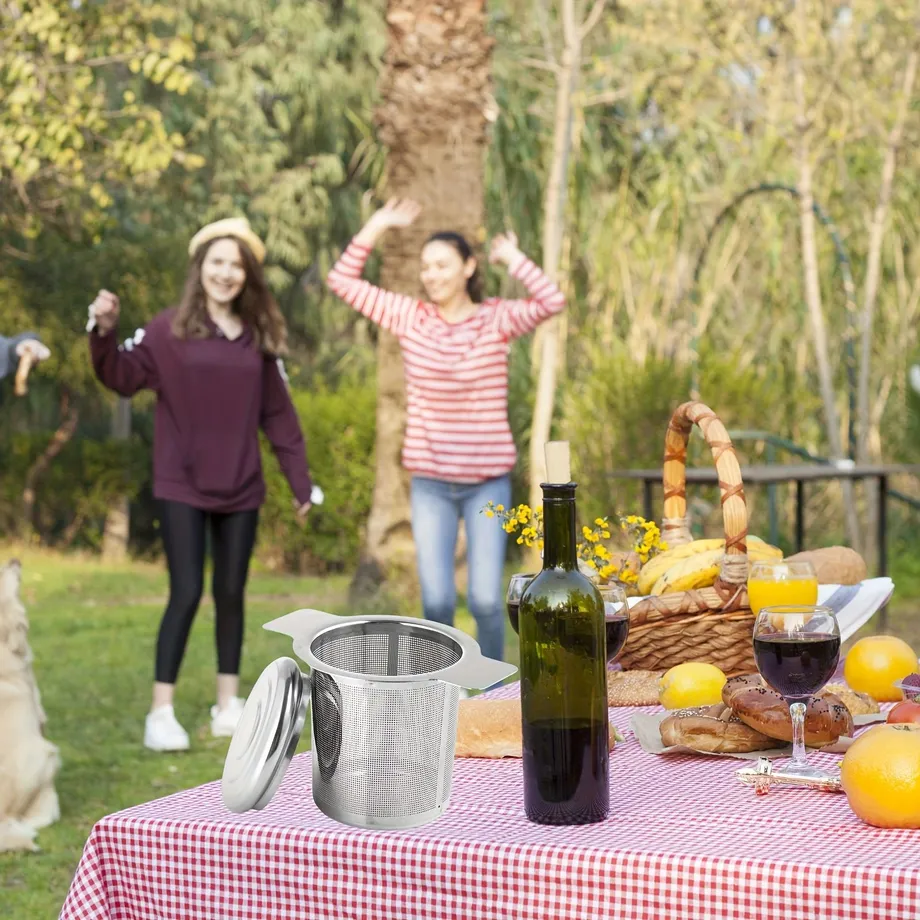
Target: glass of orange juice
(774,583)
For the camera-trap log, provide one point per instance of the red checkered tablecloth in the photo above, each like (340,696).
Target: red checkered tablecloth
(684,839)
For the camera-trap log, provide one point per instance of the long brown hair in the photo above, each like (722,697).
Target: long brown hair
(254,305)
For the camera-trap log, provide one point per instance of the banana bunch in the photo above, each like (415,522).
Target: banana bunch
(695,565)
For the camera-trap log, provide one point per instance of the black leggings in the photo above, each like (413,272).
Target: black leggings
(232,539)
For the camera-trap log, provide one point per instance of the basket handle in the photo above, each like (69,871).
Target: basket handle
(675,527)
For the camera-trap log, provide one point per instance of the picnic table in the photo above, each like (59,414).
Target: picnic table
(684,839)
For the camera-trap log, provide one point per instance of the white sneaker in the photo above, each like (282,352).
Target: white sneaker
(162,731)
(224,721)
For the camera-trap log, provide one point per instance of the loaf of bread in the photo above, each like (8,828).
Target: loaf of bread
(834,565)
(633,688)
(492,728)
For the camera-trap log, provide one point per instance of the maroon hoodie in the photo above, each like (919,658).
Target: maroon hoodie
(213,395)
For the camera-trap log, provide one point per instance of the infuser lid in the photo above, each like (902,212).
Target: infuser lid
(265,738)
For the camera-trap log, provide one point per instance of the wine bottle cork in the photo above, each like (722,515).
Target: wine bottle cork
(557,462)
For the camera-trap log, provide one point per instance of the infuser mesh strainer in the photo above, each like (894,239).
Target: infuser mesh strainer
(386,648)
(393,758)
(384,692)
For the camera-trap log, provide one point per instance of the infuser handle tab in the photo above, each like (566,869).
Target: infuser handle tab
(476,672)
(300,624)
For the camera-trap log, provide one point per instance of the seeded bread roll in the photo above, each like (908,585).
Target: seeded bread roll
(713,730)
(859,704)
(741,682)
(826,718)
(492,728)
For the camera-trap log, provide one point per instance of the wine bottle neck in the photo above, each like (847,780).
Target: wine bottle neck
(559,549)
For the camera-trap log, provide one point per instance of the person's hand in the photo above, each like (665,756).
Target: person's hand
(302,511)
(105,310)
(504,248)
(397,212)
(32,347)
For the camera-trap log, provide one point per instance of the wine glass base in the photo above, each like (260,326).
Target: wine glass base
(803,771)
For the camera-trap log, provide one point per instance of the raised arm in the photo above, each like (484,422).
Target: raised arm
(125,368)
(282,428)
(390,311)
(515,318)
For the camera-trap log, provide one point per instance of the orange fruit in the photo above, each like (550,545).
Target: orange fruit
(875,663)
(880,773)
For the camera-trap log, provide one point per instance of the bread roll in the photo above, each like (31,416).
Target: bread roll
(834,565)
(859,704)
(714,730)
(826,718)
(633,688)
(492,728)
(741,682)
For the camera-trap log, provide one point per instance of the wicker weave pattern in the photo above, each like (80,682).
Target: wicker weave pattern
(708,624)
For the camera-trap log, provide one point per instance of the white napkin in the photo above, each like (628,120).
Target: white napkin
(871,595)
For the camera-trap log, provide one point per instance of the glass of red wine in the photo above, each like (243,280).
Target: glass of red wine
(513,596)
(797,648)
(616,618)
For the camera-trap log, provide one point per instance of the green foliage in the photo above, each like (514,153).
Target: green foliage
(77,489)
(339,428)
(74,125)
(617,415)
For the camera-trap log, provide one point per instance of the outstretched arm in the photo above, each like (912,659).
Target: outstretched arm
(125,368)
(515,318)
(282,428)
(390,311)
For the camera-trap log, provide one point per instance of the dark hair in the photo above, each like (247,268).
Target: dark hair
(458,241)
(254,305)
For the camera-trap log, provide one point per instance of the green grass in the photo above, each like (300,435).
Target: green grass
(93,628)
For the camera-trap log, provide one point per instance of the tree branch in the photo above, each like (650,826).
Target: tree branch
(593,17)
(569,27)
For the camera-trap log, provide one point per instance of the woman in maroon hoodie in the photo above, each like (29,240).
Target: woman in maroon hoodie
(214,364)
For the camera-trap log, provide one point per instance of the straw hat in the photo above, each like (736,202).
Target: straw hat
(236,227)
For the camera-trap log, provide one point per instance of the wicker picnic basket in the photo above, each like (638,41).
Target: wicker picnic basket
(706,624)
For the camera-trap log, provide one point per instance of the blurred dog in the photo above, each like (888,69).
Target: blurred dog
(28,762)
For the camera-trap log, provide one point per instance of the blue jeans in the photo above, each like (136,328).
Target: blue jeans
(436,509)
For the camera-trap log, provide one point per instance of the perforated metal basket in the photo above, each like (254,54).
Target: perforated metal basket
(385,692)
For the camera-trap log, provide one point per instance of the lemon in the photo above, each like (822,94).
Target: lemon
(876,663)
(692,683)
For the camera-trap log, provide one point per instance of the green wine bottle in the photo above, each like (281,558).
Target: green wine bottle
(563,678)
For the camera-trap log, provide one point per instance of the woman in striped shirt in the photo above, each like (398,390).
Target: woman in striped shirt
(458,445)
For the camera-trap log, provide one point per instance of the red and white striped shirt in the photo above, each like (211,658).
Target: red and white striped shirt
(456,373)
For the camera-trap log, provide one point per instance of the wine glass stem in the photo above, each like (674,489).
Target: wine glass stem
(797,711)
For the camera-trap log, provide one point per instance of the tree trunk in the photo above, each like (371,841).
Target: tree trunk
(874,257)
(434,93)
(812,279)
(118,519)
(69,417)
(546,340)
